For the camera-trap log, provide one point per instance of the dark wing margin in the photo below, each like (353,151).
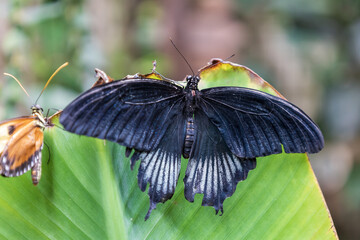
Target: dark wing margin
(213,170)
(135,113)
(161,166)
(255,124)
(7,169)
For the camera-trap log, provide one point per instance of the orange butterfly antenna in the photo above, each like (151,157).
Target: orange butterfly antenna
(47,83)
(8,74)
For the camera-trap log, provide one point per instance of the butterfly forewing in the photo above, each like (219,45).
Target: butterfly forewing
(255,124)
(135,113)
(8,127)
(22,147)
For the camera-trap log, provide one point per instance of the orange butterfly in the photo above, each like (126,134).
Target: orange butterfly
(22,139)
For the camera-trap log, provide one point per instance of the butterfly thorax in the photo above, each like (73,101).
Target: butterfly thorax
(192,94)
(192,84)
(37,112)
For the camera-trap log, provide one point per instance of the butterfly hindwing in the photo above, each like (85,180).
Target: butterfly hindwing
(255,123)
(161,166)
(213,170)
(22,149)
(135,113)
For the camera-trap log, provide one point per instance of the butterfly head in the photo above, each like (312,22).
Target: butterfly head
(36,109)
(192,82)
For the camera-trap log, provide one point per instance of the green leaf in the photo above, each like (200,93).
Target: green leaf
(88,191)
(224,73)
(76,197)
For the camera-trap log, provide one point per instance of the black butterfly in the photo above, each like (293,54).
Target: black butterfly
(221,130)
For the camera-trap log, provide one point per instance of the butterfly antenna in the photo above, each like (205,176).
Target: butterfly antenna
(47,114)
(8,74)
(47,83)
(182,56)
(56,109)
(229,57)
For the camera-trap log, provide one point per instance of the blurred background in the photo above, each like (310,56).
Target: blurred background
(309,50)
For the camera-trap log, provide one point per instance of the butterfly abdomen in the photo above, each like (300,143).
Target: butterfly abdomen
(189,137)
(36,172)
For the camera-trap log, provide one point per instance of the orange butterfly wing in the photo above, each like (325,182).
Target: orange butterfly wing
(21,141)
